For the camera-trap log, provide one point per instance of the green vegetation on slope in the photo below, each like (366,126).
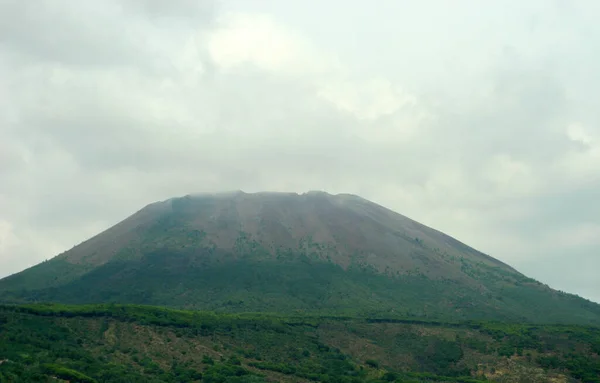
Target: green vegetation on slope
(207,279)
(124,343)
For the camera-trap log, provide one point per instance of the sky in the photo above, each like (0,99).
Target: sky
(477,118)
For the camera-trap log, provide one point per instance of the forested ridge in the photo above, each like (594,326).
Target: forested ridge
(132,343)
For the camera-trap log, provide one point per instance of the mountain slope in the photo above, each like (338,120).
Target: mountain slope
(288,252)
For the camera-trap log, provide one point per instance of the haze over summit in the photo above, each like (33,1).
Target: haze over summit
(489,134)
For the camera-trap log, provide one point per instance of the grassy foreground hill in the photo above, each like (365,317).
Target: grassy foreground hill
(291,253)
(124,343)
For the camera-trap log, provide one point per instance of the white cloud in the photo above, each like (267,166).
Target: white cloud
(242,39)
(585,234)
(371,100)
(578,134)
(510,176)
(582,162)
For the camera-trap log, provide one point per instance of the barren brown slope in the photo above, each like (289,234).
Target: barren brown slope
(347,228)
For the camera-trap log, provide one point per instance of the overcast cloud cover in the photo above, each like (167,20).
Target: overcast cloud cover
(478,118)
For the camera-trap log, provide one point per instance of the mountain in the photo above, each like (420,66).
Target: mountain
(291,253)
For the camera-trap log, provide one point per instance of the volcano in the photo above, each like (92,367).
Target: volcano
(291,253)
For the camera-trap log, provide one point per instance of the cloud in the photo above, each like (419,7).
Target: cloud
(479,120)
(241,40)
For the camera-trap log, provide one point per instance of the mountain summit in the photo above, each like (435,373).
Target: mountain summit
(288,252)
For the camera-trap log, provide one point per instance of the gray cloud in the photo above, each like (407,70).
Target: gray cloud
(479,120)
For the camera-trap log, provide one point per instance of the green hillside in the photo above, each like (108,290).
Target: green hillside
(299,284)
(115,343)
